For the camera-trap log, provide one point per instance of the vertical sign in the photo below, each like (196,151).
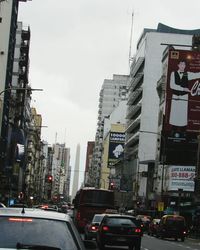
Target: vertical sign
(116,148)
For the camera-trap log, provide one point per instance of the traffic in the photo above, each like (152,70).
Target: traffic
(91,221)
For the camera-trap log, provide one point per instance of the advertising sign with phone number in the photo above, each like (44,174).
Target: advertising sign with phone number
(181,177)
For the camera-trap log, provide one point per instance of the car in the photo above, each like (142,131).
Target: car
(91,228)
(172,226)
(48,207)
(119,230)
(29,228)
(146,219)
(152,230)
(70,212)
(20,205)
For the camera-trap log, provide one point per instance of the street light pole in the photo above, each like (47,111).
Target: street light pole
(18,88)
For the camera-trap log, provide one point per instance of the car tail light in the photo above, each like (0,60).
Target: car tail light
(138,230)
(20,219)
(93,228)
(78,216)
(105,228)
(45,207)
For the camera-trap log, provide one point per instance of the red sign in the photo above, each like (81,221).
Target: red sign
(182,110)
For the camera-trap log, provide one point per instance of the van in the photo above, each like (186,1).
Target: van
(172,226)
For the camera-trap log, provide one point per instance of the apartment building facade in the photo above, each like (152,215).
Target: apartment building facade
(112,91)
(142,132)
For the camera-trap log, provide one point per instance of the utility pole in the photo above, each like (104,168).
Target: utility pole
(196,47)
(197,177)
(131,38)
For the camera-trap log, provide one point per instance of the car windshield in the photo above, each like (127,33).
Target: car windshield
(36,232)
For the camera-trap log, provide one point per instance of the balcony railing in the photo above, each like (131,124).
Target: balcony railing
(132,110)
(133,124)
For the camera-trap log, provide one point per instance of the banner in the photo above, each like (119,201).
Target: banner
(116,148)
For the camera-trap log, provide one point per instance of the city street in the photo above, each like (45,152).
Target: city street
(153,243)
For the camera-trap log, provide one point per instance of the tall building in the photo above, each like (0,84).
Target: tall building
(112,92)
(14,105)
(8,27)
(142,132)
(60,171)
(76,172)
(89,154)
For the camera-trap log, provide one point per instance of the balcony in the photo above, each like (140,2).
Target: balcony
(136,66)
(161,85)
(132,138)
(130,151)
(135,81)
(133,124)
(134,95)
(132,110)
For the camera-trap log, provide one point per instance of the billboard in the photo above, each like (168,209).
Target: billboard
(182,110)
(181,123)
(181,177)
(116,147)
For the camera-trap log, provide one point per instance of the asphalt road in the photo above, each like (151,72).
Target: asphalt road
(153,243)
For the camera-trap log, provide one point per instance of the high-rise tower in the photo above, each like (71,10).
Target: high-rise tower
(76,172)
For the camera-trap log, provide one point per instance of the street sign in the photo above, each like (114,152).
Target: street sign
(160,206)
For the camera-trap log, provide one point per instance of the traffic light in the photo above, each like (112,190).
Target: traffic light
(49,178)
(21,196)
(112,185)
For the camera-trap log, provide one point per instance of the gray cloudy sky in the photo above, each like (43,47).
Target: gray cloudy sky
(76,44)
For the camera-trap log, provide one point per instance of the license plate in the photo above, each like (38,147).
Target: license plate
(121,239)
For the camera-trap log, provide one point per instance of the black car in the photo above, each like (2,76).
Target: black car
(119,230)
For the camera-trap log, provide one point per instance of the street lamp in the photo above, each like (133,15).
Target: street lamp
(19,88)
(162,159)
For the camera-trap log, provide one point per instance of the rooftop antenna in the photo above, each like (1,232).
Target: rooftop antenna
(65,136)
(131,37)
(56,138)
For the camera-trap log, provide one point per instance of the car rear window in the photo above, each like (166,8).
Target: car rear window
(97,218)
(37,232)
(114,221)
(173,222)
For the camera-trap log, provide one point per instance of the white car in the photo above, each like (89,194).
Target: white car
(26,228)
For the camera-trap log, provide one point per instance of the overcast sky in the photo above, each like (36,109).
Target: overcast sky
(77,44)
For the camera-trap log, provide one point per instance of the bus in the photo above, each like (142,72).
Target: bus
(90,201)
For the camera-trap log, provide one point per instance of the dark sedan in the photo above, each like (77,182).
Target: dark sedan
(119,230)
